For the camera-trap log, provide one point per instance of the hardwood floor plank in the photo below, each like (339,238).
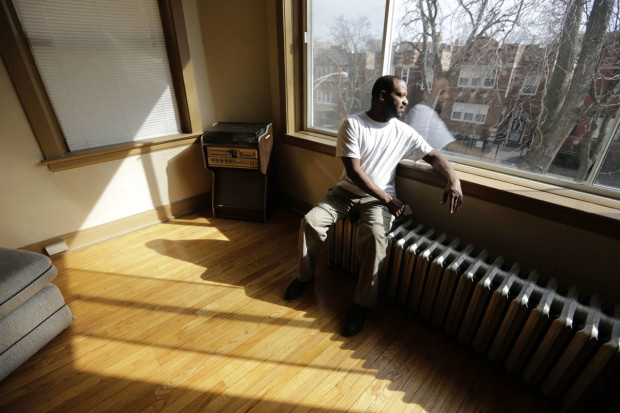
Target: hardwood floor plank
(256,347)
(171,354)
(340,386)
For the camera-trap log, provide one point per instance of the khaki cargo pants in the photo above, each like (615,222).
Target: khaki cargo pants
(374,223)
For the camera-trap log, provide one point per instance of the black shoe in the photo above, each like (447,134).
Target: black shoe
(355,320)
(295,289)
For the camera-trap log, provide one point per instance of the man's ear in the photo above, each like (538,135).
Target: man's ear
(382,94)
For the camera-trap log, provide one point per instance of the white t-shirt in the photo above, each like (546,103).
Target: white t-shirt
(379,146)
(429,125)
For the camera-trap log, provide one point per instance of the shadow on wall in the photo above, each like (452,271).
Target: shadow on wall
(309,174)
(571,254)
(185,173)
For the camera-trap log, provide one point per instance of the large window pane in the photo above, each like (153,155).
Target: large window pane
(495,71)
(346,58)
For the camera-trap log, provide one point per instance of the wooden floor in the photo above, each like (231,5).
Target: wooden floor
(188,316)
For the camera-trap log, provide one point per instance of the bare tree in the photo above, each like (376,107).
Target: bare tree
(361,53)
(605,97)
(566,56)
(569,67)
(485,24)
(555,129)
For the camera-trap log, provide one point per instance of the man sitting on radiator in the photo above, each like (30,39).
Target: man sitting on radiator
(370,144)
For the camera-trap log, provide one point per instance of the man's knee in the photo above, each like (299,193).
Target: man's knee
(309,219)
(318,217)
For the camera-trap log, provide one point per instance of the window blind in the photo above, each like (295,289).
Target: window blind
(105,68)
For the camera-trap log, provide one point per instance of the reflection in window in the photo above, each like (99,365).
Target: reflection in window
(498,75)
(350,46)
(470,112)
(477,76)
(530,84)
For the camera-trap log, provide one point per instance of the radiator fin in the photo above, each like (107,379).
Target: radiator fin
(496,309)
(435,274)
(513,321)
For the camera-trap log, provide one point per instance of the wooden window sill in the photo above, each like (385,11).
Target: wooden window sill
(108,153)
(576,208)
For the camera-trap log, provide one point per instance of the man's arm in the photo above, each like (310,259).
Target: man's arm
(453,193)
(366,184)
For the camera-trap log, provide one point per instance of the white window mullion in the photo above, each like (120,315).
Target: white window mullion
(386,54)
(596,168)
(309,53)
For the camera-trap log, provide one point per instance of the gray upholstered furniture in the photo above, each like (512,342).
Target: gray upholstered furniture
(32,311)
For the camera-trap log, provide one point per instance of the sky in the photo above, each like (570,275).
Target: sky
(326,11)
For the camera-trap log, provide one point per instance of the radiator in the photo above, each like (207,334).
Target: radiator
(555,339)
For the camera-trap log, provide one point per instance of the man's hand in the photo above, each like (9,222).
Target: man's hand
(363,181)
(452,193)
(395,206)
(454,196)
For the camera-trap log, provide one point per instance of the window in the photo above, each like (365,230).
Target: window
(430,75)
(323,96)
(482,66)
(404,74)
(477,77)
(351,43)
(468,112)
(104,82)
(457,111)
(530,84)
(610,164)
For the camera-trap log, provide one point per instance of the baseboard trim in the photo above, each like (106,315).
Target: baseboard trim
(89,236)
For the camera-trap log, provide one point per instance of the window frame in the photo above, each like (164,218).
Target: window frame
(293,46)
(481,77)
(402,74)
(430,77)
(30,88)
(533,84)
(472,109)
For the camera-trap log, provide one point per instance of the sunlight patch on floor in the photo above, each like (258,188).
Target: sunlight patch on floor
(119,358)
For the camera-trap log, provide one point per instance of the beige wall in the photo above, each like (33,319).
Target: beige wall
(236,35)
(232,60)
(573,255)
(309,175)
(38,204)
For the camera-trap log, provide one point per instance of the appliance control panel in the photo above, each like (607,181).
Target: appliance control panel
(227,157)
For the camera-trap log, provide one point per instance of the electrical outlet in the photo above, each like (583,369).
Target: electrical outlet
(56,248)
